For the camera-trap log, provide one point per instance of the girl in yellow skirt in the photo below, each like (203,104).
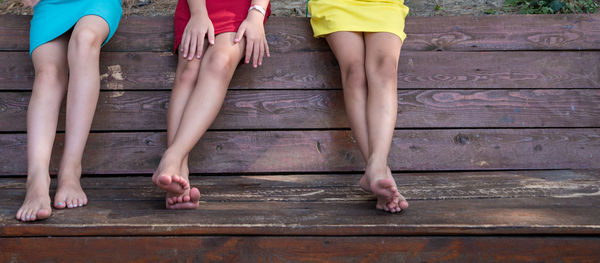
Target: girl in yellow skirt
(366,37)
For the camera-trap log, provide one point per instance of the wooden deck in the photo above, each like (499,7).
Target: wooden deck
(497,148)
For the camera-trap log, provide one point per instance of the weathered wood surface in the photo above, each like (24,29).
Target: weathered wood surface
(317,109)
(482,203)
(516,32)
(340,188)
(318,151)
(296,249)
(319,70)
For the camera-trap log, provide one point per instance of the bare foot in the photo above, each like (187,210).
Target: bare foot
(167,177)
(69,193)
(188,199)
(381,183)
(36,205)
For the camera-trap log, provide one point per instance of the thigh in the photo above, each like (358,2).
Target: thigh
(348,47)
(382,47)
(52,56)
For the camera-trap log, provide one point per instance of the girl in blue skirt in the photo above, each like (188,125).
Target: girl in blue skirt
(65,41)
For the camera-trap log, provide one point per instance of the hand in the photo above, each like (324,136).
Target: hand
(192,41)
(30,3)
(256,41)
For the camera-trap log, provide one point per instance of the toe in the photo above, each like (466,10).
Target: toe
(403,204)
(60,203)
(164,180)
(19,212)
(194,194)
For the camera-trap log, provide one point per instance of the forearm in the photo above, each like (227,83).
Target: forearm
(197,7)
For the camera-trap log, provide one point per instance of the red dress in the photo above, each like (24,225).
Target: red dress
(225,15)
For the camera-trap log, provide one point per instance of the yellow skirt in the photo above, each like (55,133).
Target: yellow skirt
(328,16)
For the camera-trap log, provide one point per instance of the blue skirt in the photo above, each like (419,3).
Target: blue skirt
(52,18)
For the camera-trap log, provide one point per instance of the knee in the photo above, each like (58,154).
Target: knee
(219,64)
(353,75)
(84,42)
(53,77)
(187,75)
(383,68)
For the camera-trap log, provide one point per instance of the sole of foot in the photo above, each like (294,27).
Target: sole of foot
(383,186)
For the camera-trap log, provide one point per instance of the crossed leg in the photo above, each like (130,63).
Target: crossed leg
(369,82)
(214,72)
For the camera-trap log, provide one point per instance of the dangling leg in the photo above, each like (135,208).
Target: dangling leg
(349,49)
(82,97)
(216,70)
(49,88)
(381,63)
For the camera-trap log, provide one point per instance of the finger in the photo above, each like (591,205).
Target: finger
(186,44)
(240,33)
(200,46)
(249,45)
(193,43)
(255,53)
(267,48)
(261,54)
(211,35)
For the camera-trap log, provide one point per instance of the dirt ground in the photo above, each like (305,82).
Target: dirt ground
(298,7)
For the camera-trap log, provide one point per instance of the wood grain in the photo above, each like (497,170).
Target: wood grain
(302,249)
(340,188)
(318,109)
(319,151)
(319,70)
(516,216)
(506,32)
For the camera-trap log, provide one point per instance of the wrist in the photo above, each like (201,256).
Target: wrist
(255,16)
(257,9)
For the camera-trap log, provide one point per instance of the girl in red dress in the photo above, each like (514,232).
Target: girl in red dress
(211,37)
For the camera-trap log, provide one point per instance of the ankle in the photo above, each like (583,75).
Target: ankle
(174,157)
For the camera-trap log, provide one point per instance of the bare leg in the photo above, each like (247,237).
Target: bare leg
(49,88)
(381,64)
(349,48)
(82,96)
(186,77)
(216,69)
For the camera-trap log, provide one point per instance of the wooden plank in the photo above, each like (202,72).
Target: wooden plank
(319,151)
(506,32)
(523,216)
(341,188)
(302,249)
(319,70)
(316,109)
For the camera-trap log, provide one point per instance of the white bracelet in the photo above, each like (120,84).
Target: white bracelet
(258,8)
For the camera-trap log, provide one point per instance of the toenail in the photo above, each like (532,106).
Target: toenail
(28,217)
(60,203)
